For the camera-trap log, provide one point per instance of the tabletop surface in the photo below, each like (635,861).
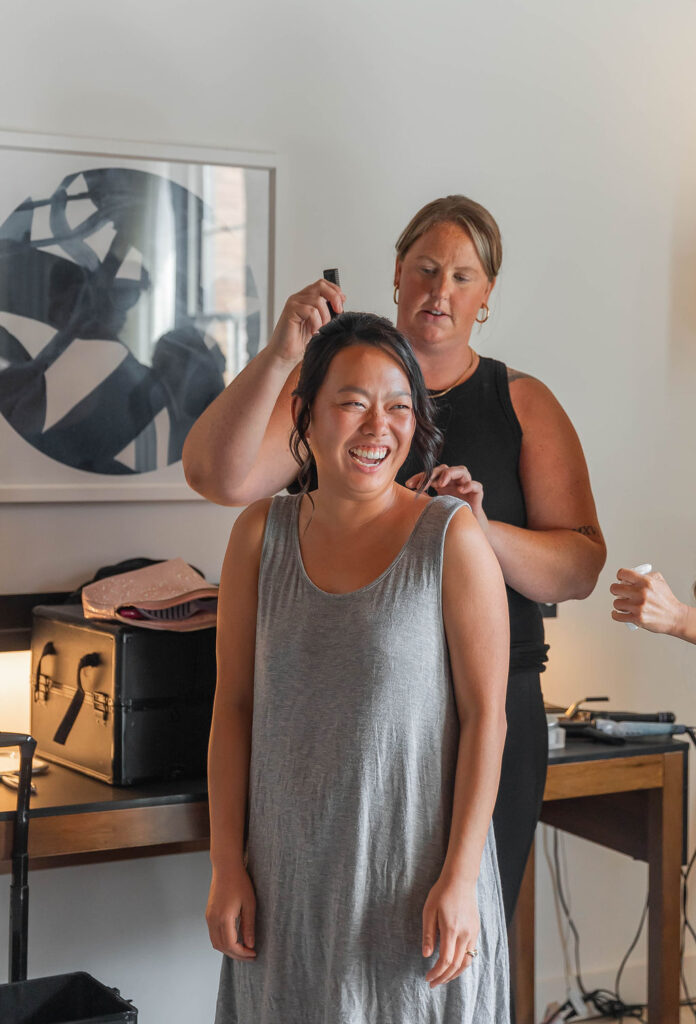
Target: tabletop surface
(65,791)
(578,749)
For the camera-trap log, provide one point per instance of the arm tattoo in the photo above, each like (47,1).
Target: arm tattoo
(516,375)
(587,531)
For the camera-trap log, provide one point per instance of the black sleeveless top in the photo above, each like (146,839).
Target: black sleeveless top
(482,432)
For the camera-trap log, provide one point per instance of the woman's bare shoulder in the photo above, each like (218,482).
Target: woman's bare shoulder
(468,559)
(525,384)
(254,515)
(463,533)
(533,401)
(249,526)
(515,375)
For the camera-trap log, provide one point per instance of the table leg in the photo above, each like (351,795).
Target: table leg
(521,941)
(664,874)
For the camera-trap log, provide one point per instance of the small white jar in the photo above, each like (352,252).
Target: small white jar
(557,736)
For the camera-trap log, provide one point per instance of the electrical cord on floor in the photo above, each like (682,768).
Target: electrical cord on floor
(610,1004)
(606,1003)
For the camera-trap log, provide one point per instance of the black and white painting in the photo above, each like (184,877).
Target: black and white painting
(131,292)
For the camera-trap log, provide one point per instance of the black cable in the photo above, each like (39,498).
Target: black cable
(607,1003)
(685,919)
(630,950)
(685,878)
(691,731)
(682,942)
(686,924)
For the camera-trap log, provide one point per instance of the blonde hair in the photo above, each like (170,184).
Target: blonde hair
(468,215)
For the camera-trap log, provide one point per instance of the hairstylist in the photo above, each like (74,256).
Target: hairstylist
(513,453)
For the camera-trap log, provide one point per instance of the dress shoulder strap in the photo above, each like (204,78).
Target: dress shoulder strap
(427,542)
(279,535)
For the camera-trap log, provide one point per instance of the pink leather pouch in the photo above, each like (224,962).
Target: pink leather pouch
(169,595)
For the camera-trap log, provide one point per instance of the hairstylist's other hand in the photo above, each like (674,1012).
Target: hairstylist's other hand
(647,601)
(457,482)
(303,314)
(450,912)
(231,913)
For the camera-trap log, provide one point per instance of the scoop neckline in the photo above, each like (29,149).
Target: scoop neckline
(435,396)
(367,586)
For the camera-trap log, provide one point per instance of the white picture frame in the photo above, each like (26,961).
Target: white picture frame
(103,342)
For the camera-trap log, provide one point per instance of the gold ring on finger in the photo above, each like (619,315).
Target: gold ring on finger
(471,953)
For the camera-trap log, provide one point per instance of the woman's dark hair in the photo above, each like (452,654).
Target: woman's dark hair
(361,329)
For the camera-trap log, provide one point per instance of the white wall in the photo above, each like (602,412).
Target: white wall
(574,123)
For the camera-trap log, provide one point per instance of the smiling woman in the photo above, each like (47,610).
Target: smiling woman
(359,720)
(356,405)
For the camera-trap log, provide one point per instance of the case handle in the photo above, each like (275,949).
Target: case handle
(68,720)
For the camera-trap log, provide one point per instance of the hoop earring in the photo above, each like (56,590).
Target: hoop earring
(396,295)
(488,313)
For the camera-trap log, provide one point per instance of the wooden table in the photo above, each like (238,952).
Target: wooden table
(76,819)
(631,799)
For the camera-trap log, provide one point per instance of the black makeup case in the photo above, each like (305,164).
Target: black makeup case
(117,702)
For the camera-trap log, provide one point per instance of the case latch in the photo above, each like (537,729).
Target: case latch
(102,705)
(42,688)
(43,682)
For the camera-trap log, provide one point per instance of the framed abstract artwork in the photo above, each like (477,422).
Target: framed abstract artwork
(135,282)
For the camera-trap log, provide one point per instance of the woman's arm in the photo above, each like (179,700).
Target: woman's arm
(231,891)
(478,636)
(647,601)
(237,450)
(560,553)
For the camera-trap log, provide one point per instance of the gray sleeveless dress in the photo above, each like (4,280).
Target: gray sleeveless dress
(354,746)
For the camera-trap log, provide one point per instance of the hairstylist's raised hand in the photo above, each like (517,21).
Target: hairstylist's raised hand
(231,913)
(303,314)
(458,483)
(647,601)
(450,913)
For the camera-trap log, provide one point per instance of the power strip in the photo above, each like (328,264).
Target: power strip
(573,1009)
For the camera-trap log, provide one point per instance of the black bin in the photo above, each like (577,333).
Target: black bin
(63,998)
